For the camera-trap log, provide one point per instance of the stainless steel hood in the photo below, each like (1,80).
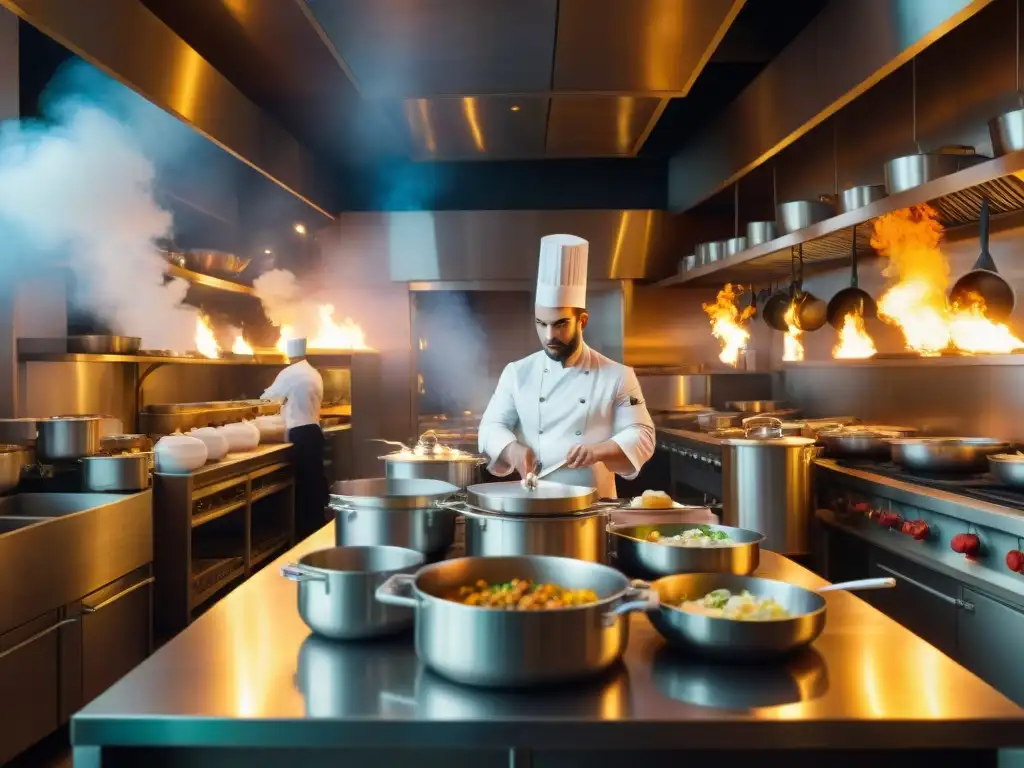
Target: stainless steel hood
(466,246)
(124,39)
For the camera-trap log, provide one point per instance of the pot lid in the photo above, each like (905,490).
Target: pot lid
(547,498)
(428,449)
(777,442)
(389,493)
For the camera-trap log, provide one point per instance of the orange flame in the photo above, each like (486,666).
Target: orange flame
(206,341)
(792,347)
(241,346)
(917,302)
(854,341)
(727,321)
(329,333)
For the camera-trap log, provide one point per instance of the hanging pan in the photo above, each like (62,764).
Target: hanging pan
(853,299)
(984,280)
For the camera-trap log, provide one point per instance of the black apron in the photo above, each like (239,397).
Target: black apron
(311,491)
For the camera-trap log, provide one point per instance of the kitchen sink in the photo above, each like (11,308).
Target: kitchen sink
(52,504)
(8,524)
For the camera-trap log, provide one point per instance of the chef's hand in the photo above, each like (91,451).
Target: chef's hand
(581,456)
(521,458)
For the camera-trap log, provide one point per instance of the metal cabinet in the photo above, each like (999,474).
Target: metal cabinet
(29,676)
(117,632)
(925,602)
(989,636)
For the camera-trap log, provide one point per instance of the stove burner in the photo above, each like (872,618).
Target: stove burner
(980,486)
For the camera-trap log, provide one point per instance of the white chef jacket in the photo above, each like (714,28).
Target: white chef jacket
(550,408)
(302,388)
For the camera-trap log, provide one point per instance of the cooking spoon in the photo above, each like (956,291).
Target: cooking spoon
(984,279)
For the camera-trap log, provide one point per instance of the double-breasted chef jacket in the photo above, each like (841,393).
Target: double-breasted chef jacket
(550,408)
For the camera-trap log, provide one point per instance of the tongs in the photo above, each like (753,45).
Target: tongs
(531,479)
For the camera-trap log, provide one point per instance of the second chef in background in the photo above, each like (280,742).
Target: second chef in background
(302,389)
(567,401)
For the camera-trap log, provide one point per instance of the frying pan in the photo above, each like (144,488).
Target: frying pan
(774,312)
(852,299)
(731,640)
(811,312)
(984,279)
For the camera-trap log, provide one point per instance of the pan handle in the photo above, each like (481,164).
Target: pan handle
(391,591)
(299,573)
(861,584)
(640,597)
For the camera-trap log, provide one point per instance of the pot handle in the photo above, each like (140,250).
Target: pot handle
(455,504)
(299,573)
(639,597)
(390,592)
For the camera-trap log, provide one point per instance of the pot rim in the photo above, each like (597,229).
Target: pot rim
(422,596)
(361,573)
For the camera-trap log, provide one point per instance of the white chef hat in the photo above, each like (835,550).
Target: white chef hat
(295,347)
(562,274)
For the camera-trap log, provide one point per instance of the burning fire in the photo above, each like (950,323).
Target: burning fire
(241,346)
(206,341)
(329,333)
(793,348)
(727,321)
(917,303)
(854,342)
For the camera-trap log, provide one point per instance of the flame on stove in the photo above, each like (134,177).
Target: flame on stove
(727,321)
(792,347)
(241,346)
(333,335)
(854,342)
(917,301)
(206,341)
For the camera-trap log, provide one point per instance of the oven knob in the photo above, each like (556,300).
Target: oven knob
(861,508)
(918,529)
(1015,560)
(967,544)
(890,520)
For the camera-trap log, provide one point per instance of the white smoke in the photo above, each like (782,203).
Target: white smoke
(286,302)
(77,190)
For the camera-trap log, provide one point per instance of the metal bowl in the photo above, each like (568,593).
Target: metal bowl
(869,442)
(945,454)
(857,197)
(650,559)
(104,345)
(1007,468)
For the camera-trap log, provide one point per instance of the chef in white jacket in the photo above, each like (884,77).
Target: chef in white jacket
(301,387)
(567,401)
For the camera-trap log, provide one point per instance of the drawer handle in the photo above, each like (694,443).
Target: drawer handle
(118,596)
(967,606)
(36,636)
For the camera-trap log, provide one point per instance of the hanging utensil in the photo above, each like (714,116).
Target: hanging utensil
(774,312)
(852,299)
(984,279)
(811,312)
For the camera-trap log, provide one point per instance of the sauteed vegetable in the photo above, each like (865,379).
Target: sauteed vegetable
(522,595)
(701,536)
(723,604)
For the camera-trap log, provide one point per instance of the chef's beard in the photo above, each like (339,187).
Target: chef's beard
(563,352)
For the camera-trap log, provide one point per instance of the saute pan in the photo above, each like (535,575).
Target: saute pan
(731,640)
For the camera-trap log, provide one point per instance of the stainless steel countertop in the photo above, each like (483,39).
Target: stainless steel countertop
(686,434)
(248,673)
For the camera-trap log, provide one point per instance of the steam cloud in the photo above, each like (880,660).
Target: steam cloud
(286,302)
(76,189)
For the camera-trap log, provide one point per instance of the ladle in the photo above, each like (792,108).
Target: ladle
(852,299)
(984,279)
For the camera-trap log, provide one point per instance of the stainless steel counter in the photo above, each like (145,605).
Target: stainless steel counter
(695,435)
(248,674)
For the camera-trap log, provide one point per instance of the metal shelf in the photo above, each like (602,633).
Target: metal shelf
(208,281)
(78,357)
(957,198)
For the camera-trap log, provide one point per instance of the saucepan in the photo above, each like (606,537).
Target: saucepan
(945,454)
(1007,468)
(733,640)
(653,551)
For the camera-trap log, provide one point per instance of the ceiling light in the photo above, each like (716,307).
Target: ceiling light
(300,228)
(266,251)
(514,107)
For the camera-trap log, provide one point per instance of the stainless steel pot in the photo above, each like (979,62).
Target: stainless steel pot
(543,497)
(760,232)
(688,262)
(517,649)
(1007,132)
(581,536)
(399,513)
(1007,468)
(710,252)
(857,197)
(767,487)
(734,245)
(65,438)
(337,587)
(460,472)
(909,171)
(868,442)
(799,214)
(945,454)
(124,473)
(13,459)
(115,444)
(731,640)
(637,556)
